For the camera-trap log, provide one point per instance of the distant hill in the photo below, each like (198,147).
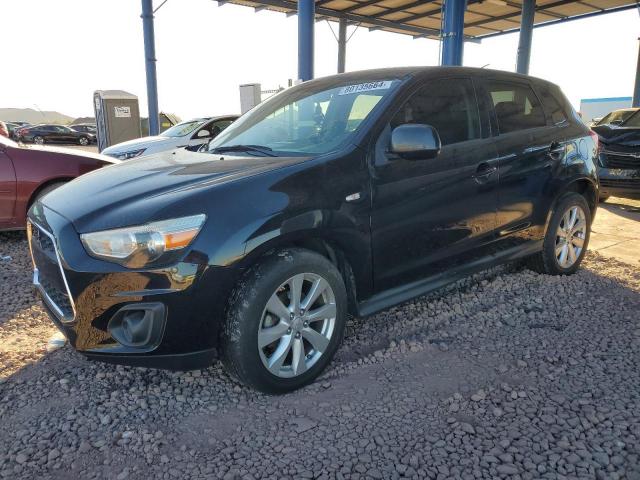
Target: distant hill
(33,116)
(83,120)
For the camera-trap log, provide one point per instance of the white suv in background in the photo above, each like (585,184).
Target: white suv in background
(192,134)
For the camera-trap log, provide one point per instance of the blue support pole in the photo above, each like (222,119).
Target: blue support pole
(526,33)
(306,22)
(636,88)
(150,65)
(453,32)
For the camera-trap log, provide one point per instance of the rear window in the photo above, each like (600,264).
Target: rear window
(516,106)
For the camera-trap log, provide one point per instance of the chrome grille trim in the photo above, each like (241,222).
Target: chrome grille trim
(36,280)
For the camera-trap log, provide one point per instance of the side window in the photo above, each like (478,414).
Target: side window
(516,106)
(362,105)
(218,127)
(552,106)
(448,105)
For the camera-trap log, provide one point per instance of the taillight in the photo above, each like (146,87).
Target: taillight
(596,140)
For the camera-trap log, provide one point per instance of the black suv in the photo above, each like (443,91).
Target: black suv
(342,195)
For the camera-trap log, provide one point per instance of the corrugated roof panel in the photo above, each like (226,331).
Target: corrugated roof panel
(420,17)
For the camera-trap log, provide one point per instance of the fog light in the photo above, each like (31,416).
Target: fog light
(138,325)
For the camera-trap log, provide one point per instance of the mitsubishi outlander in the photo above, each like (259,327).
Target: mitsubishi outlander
(341,196)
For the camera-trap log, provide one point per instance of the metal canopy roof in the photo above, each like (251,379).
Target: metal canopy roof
(422,18)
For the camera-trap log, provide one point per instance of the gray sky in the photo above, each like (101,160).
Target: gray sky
(60,51)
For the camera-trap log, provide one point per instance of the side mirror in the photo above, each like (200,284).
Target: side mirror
(415,141)
(203,134)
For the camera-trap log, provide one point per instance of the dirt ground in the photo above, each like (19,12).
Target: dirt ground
(506,374)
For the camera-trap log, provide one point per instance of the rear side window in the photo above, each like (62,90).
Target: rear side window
(448,105)
(516,106)
(552,106)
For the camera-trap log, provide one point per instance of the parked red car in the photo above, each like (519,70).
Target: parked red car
(29,172)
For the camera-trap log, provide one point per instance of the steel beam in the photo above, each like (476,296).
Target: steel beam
(552,22)
(150,66)
(636,88)
(453,32)
(526,34)
(306,23)
(342,44)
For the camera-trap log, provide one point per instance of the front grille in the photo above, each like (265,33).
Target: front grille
(620,183)
(621,160)
(48,274)
(43,241)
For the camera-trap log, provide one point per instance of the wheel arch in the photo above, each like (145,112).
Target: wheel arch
(43,185)
(585,187)
(339,254)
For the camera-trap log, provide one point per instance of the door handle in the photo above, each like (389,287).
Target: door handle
(484,172)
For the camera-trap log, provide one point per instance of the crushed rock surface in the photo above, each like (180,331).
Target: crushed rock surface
(506,374)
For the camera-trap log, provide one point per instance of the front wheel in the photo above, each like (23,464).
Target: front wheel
(285,321)
(84,141)
(38,140)
(567,237)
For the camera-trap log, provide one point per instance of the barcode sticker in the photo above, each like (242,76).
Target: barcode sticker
(365,87)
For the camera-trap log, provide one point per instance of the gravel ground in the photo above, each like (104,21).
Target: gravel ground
(507,374)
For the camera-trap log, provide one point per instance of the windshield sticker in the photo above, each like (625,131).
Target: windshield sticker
(365,87)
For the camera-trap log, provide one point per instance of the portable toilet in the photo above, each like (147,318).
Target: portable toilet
(117,117)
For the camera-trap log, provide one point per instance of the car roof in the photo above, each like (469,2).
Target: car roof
(404,72)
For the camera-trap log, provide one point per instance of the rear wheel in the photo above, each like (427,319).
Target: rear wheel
(604,198)
(84,141)
(567,238)
(38,140)
(285,321)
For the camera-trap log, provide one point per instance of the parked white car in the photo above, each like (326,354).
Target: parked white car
(192,134)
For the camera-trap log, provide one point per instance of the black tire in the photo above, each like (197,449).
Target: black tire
(546,261)
(604,198)
(38,140)
(84,141)
(240,353)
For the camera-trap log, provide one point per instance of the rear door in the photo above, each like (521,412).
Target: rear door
(431,215)
(7,188)
(529,149)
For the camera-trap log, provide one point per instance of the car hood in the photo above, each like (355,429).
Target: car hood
(138,143)
(37,149)
(142,190)
(612,135)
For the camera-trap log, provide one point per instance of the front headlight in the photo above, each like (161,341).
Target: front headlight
(138,246)
(128,155)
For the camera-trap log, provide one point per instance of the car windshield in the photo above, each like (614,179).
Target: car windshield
(618,117)
(304,120)
(182,129)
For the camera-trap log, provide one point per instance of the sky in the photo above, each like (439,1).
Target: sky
(59,51)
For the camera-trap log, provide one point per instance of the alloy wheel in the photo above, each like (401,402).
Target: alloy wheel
(570,236)
(84,141)
(297,325)
(38,140)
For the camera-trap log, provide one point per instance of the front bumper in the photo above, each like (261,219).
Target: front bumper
(619,172)
(86,298)
(619,182)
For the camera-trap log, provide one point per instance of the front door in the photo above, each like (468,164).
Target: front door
(432,215)
(7,189)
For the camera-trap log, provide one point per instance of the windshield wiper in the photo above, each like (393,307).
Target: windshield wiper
(262,149)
